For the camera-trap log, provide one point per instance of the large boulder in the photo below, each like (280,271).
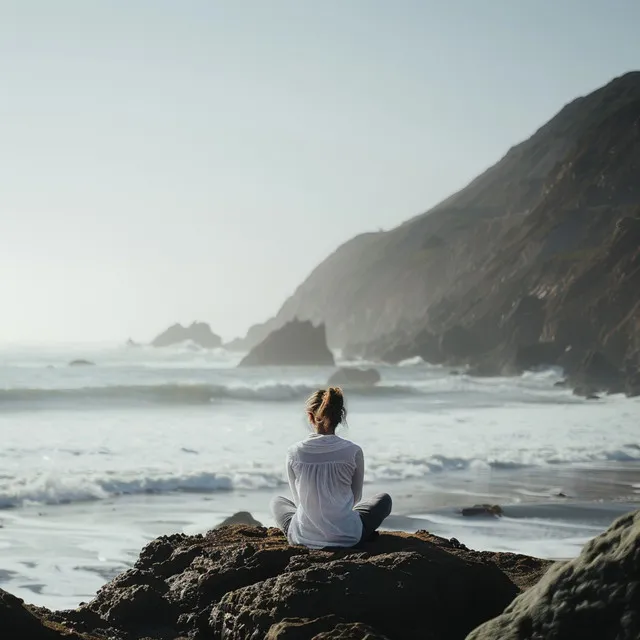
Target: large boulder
(240,582)
(296,343)
(198,333)
(354,377)
(412,591)
(594,596)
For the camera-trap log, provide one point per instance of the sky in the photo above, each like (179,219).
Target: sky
(183,160)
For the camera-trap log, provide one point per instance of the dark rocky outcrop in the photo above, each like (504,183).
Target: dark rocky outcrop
(595,596)
(198,333)
(81,363)
(327,628)
(241,517)
(536,260)
(537,355)
(296,343)
(493,510)
(597,374)
(241,582)
(19,621)
(354,377)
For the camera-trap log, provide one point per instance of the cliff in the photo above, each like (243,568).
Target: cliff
(541,248)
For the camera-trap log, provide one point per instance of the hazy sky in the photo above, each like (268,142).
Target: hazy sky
(168,161)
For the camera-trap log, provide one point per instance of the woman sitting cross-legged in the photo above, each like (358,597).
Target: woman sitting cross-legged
(325,475)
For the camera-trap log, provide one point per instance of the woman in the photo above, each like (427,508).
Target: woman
(325,475)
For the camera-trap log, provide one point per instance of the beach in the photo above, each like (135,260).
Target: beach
(97,461)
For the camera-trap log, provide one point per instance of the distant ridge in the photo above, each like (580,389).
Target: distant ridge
(198,332)
(551,228)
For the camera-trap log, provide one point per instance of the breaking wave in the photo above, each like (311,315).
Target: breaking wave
(71,487)
(179,394)
(66,489)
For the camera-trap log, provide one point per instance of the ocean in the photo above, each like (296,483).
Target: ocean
(97,460)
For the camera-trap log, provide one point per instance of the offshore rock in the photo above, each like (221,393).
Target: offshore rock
(296,343)
(354,377)
(198,333)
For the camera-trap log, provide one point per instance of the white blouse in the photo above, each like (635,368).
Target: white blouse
(325,473)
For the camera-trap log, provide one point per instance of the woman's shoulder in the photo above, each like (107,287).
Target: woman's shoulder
(351,445)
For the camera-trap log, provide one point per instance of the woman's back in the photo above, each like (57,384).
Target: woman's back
(325,475)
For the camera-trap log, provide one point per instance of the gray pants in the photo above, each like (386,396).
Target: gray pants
(372,513)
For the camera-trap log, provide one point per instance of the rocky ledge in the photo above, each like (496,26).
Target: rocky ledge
(244,582)
(241,582)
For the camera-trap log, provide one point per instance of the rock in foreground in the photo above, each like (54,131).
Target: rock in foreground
(243,582)
(296,343)
(198,332)
(594,596)
(18,622)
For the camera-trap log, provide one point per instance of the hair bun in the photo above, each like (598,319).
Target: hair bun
(327,408)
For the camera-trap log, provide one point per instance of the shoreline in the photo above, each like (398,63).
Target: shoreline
(58,556)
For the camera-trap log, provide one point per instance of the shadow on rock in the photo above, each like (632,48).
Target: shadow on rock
(594,596)
(242,582)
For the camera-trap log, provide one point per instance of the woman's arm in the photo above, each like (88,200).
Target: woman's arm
(292,481)
(358,477)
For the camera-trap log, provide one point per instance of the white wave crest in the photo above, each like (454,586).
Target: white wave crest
(65,489)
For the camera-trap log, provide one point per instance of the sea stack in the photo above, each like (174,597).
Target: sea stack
(297,343)
(198,332)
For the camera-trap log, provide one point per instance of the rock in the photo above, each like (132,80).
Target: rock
(458,343)
(594,596)
(586,391)
(81,363)
(482,510)
(198,333)
(132,343)
(525,321)
(424,345)
(597,373)
(353,377)
(402,582)
(537,355)
(241,582)
(241,517)
(632,383)
(296,343)
(18,621)
(326,628)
